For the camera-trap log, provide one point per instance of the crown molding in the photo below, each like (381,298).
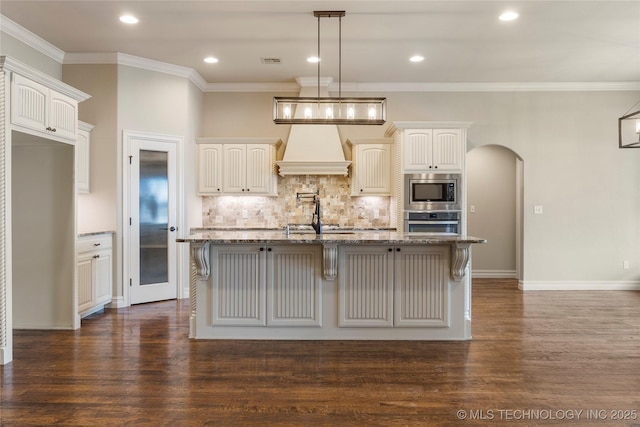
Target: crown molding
(488,87)
(9,63)
(252,87)
(32,40)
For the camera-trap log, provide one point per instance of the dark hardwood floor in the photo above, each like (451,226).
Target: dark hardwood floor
(537,359)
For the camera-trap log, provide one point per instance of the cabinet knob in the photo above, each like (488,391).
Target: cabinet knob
(261,249)
(53,129)
(361,190)
(397,249)
(269,249)
(435,167)
(390,250)
(248,189)
(48,128)
(218,189)
(96,244)
(96,256)
(243,189)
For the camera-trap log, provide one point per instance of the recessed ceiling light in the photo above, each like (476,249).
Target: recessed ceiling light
(210,60)
(129,19)
(416,58)
(313,59)
(509,16)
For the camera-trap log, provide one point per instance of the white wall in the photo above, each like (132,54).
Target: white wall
(491,190)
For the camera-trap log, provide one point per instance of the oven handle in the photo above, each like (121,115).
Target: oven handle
(417,222)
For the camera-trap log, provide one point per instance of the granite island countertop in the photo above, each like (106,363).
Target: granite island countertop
(342,236)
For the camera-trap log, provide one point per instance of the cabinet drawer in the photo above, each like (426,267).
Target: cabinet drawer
(94,243)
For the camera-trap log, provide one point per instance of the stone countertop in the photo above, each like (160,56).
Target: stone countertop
(330,236)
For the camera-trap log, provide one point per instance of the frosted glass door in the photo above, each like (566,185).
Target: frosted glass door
(154,219)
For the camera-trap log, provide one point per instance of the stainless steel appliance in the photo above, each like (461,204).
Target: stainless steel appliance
(432,222)
(432,192)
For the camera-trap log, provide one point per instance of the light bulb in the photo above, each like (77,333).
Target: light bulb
(307,112)
(329,112)
(372,112)
(287,111)
(638,126)
(351,112)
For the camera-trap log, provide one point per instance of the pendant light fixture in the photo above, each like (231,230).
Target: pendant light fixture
(329,110)
(629,129)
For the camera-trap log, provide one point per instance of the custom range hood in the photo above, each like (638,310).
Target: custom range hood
(313,149)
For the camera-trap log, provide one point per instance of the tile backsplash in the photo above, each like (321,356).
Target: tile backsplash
(338,207)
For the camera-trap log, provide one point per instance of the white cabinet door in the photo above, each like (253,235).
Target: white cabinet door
(365,284)
(36,107)
(235,168)
(259,168)
(85,282)
(102,279)
(417,150)
(371,170)
(293,280)
(448,152)
(239,282)
(83,160)
(95,272)
(209,169)
(432,150)
(29,103)
(63,115)
(421,286)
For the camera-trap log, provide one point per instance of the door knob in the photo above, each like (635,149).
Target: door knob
(172,229)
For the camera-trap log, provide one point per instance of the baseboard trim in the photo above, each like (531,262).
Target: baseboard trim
(117,302)
(494,274)
(579,286)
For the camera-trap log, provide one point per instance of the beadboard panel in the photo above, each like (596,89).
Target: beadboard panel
(365,287)
(294,282)
(238,286)
(420,281)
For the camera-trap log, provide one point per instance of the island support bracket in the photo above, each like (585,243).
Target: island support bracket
(200,270)
(330,261)
(460,253)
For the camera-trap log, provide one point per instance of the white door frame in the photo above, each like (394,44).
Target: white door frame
(127,136)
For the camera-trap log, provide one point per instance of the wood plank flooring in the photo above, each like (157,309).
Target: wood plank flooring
(537,359)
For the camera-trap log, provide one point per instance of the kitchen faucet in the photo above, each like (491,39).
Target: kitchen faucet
(316,221)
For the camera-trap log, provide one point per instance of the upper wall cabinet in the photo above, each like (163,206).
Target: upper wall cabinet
(371,166)
(430,149)
(237,166)
(44,111)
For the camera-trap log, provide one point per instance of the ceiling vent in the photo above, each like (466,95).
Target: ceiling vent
(271,60)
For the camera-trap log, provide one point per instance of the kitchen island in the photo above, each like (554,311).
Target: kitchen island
(342,284)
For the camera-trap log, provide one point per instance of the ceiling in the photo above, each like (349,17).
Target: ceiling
(462,41)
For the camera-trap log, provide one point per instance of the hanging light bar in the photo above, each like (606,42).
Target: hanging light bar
(330,110)
(629,129)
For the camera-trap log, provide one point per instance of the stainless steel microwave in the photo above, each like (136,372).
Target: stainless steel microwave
(432,192)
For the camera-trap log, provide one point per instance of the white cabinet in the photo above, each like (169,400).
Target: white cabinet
(83,158)
(266,285)
(209,169)
(393,286)
(432,150)
(237,166)
(95,272)
(37,108)
(371,167)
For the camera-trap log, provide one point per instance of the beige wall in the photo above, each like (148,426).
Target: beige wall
(97,210)
(572,167)
(10,46)
(491,190)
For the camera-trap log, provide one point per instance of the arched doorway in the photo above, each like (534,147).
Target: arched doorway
(494,210)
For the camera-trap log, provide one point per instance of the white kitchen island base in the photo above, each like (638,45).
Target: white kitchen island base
(360,286)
